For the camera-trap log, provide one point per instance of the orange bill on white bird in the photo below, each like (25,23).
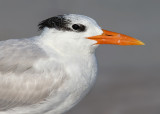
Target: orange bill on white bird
(109,37)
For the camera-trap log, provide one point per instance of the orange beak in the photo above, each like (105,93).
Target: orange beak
(109,37)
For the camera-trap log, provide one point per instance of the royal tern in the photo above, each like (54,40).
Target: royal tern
(52,72)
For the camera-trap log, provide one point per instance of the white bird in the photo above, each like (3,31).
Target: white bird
(51,73)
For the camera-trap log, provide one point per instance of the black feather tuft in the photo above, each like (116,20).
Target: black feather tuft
(58,22)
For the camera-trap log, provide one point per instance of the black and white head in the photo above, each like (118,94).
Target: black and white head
(80,32)
(73,24)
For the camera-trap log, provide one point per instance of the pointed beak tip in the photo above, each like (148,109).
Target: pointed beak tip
(140,43)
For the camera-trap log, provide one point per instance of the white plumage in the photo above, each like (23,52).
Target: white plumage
(50,73)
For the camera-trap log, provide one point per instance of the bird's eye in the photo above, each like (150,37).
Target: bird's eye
(79,27)
(75,27)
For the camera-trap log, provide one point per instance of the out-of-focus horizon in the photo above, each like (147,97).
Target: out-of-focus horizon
(129,76)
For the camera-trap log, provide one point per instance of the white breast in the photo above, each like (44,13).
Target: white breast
(82,75)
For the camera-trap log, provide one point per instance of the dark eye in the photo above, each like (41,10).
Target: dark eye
(75,27)
(79,27)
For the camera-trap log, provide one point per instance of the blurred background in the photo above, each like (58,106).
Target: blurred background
(129,76)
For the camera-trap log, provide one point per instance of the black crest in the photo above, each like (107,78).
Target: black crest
(58,22)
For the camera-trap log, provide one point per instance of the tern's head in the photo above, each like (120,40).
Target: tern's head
(72,24)
(81,30)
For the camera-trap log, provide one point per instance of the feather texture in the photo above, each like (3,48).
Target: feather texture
(50,73)
(21,84)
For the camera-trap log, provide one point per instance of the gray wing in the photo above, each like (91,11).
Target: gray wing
(20,84)
(19,55)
